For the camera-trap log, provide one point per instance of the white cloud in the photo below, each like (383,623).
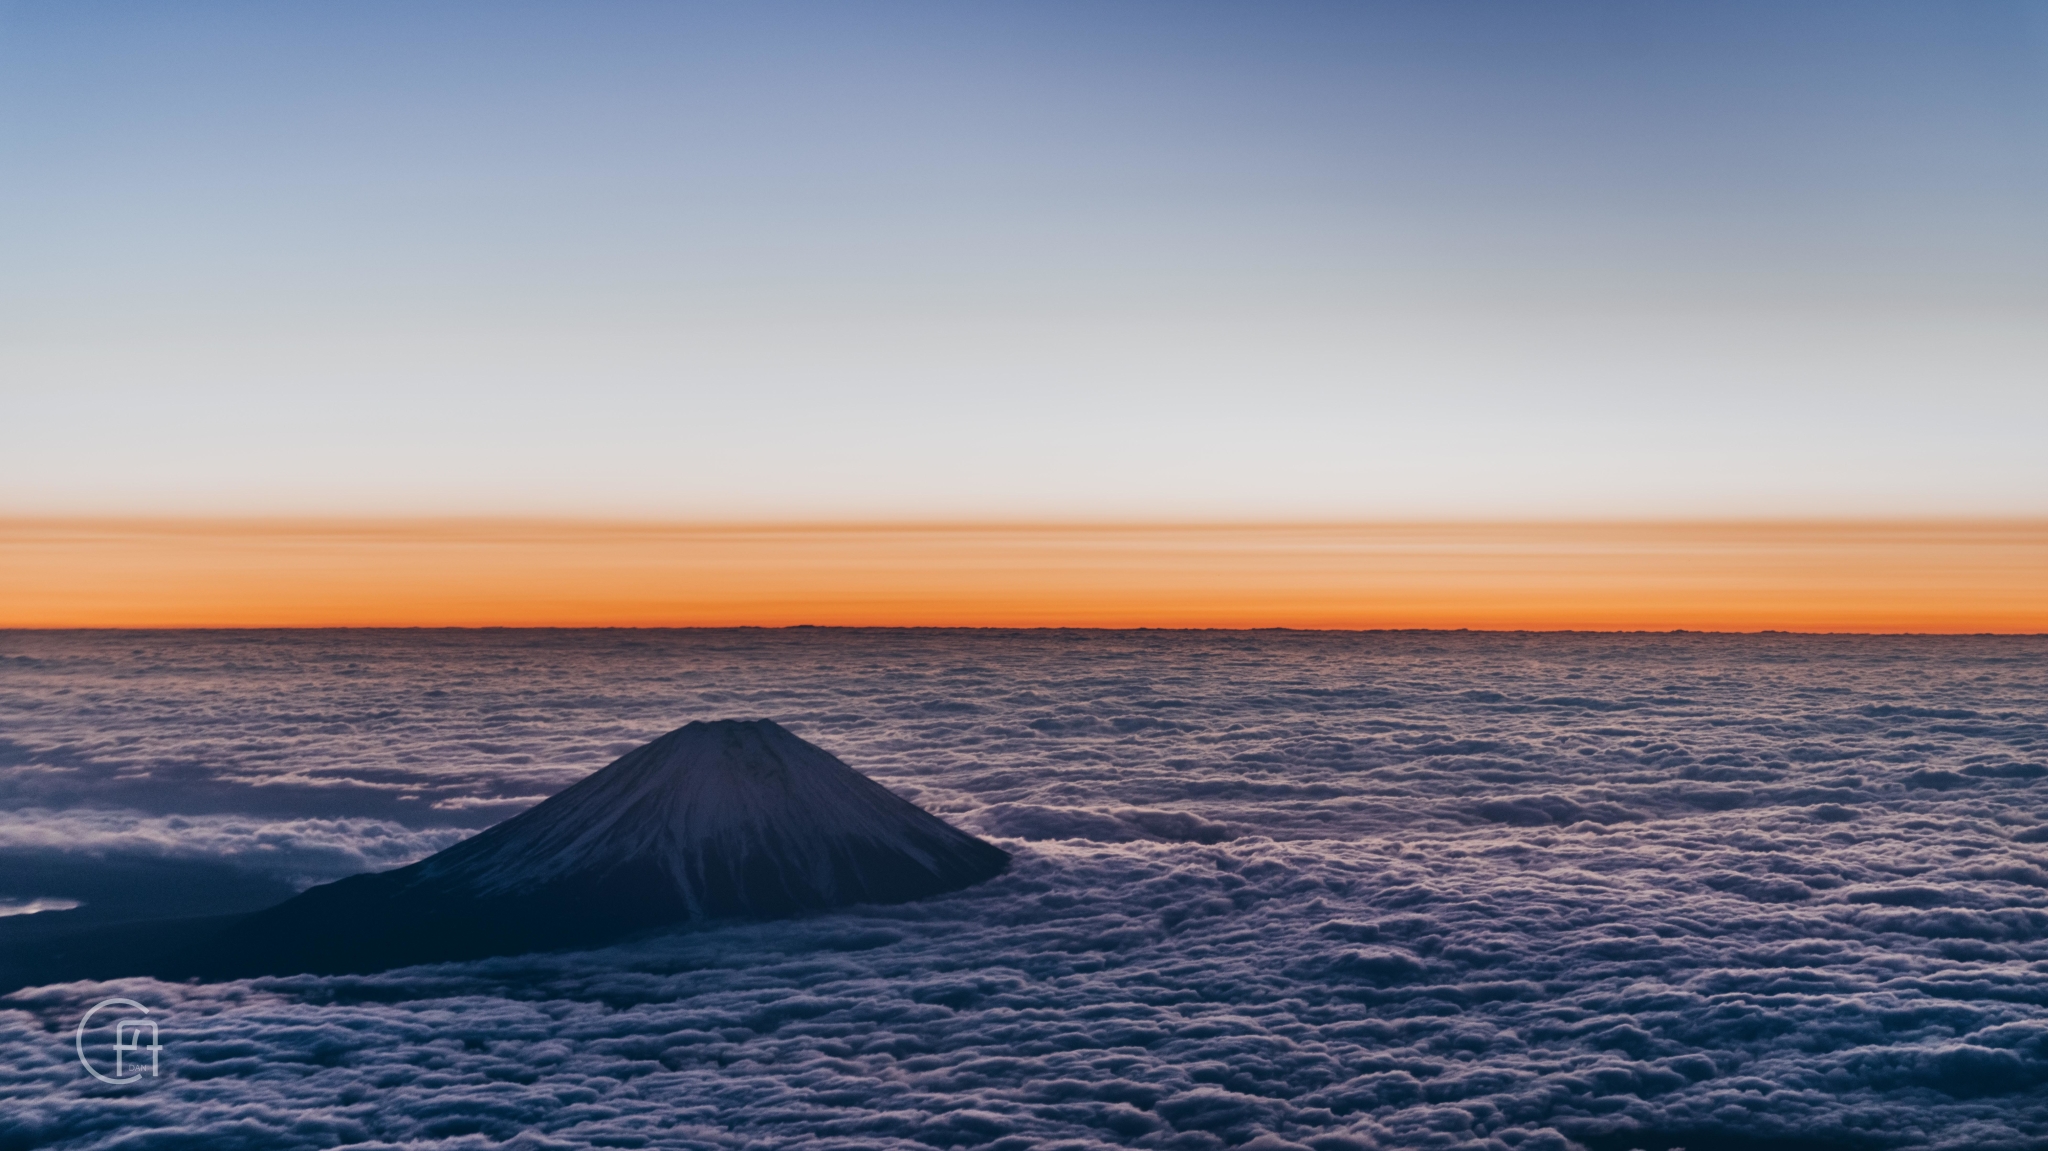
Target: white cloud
(308,849)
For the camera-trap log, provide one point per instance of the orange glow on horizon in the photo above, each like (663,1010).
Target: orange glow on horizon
(1955,576)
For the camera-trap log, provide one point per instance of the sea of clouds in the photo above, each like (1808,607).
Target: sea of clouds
(1271,890)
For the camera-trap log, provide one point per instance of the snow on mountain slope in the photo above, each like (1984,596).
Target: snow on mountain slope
(713,800)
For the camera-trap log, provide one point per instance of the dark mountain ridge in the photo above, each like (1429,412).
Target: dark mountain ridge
(731,818)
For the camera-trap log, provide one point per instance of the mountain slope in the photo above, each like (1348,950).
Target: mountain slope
(728,818)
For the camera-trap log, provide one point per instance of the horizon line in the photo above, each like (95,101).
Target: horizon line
(5,629)
(1018,523)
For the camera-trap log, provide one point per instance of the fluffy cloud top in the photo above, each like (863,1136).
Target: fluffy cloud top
(1323,891)
(307,850)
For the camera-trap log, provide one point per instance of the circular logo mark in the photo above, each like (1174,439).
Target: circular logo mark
(128,1035)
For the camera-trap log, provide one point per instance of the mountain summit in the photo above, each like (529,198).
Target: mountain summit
(727,818)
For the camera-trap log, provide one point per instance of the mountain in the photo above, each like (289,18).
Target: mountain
(732,818)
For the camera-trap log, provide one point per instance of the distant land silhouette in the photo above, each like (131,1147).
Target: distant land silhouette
(730,818)
(723,819)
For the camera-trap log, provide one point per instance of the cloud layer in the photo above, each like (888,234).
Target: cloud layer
(1326,891)
(308,850)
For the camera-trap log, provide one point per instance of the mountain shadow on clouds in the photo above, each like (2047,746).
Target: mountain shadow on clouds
(724,819)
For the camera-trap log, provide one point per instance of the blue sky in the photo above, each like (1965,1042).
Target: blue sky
(1059,260)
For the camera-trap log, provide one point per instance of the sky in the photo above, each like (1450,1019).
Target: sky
(1840,576)
(825,262)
